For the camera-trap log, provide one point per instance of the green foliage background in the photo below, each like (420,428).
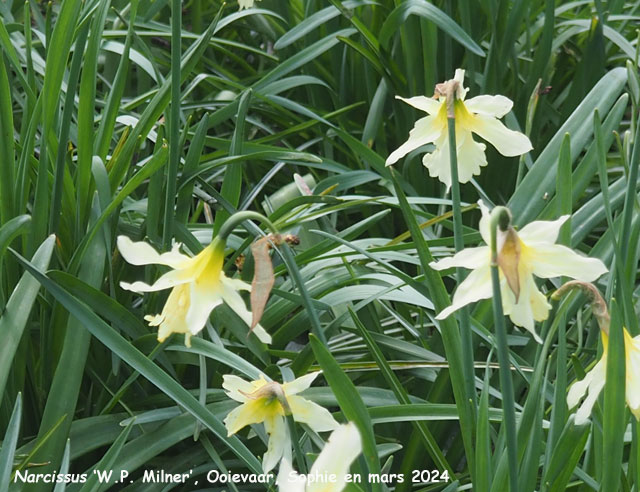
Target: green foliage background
(97,139)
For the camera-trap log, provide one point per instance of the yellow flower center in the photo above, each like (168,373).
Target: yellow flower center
(272,397)
(462,114)
(509,260)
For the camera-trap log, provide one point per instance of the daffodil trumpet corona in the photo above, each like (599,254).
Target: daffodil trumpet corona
(594,381)
(521,256)
(198,284)
(329,471)
(271,402)
(478,115)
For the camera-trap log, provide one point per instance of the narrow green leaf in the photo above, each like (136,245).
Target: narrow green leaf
(399,15)
(539,184)
(449,330)
(64,467)
(614,422)
(18,309)
(565,457)
(151,166)
(396,386)
(12,229)
(143,365)
(87,110)
(67,379)
(93,484)
(7,452)
(350,402)
(107,121)
(191,162)
(312,22)
(7,149)
(482,482)
(302,58)
(232,183)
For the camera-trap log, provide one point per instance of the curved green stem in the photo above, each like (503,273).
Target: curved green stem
(240,217)
(297,451)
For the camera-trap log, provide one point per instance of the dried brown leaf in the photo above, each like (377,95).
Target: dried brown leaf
(263,278)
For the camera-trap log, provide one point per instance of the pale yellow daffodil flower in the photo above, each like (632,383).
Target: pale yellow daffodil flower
(594,381)
(198,286)
(477,115)
(531,252)
(329,471)
(270,402)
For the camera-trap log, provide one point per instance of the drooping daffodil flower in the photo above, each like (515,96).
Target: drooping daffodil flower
(270,402)
(198,286)
(329,471)
(477,115)
(593,382)
(245,4)
(530,252)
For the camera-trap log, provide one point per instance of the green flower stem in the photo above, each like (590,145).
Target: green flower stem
(458,241)
(301,462)
(237,218)
(500,217)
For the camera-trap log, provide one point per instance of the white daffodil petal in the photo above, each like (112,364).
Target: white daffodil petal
(471,157)
(595,387)
(470,258)
(302,383)
(437,162)
(425,131)
(312,414)
(427,104)
(542,231)
(519,311)
(632,349)
(141,253)
(496,106)
(459,77)
(262,334)
(342,448)
(288,479)
(578,390)
(203,301)
(279,440)
(237,388)
(475,287)
(235,302)
(166,281)
(154,319)
(507,142)
(235,283)
(245,4)
(483,226)
(554,260)
(532,305)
